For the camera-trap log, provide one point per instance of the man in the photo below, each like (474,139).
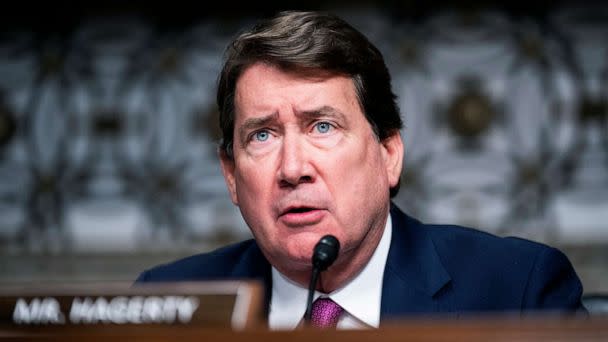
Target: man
(311,146)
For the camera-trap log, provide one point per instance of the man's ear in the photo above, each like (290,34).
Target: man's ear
(228,169)
(392,148)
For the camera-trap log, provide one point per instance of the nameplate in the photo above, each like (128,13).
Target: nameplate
(235,305)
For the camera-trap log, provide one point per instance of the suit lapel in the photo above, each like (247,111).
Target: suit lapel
(414,273)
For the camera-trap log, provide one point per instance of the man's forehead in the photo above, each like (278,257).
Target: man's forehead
(261,87)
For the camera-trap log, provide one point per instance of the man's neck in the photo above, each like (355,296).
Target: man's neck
(350,263)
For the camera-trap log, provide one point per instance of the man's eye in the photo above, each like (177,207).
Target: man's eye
(323,127)
(261,135)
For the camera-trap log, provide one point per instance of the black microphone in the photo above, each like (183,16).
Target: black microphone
(323,255)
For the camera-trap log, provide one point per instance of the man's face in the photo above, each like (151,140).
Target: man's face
(307,163)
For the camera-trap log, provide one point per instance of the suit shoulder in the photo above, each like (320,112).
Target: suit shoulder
(457,244)
(528,275)
(465,238)
(488,272)
(483,256)
(217,264)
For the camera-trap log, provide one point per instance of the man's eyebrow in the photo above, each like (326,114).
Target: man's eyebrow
(254,123)
(325,111)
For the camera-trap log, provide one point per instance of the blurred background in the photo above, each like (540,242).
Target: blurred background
(108,127)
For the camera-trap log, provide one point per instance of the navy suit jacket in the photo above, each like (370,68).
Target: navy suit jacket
(431,269)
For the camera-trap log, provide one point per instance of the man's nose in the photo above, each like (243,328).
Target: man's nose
(295,164)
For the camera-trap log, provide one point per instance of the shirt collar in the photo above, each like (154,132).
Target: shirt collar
(360,298)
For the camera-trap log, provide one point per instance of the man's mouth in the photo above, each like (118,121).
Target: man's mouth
(301,216)
(298,210)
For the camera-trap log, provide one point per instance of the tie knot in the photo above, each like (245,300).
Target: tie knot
(325,313)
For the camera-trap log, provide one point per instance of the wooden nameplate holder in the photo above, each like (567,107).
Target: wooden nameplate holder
(56,308)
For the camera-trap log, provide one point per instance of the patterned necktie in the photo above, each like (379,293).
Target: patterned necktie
(325,313)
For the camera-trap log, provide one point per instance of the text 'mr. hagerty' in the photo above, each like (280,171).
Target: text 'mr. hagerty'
(117,310)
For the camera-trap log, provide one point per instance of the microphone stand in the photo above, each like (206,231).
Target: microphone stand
(311,291)
(324,254)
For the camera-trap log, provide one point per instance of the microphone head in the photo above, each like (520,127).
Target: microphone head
(325,252)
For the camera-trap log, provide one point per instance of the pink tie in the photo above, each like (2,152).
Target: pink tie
(325,313)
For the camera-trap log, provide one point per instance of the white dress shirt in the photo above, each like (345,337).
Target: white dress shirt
(360,297)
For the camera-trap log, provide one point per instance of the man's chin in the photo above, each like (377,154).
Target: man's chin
(293,262)
(296,253)
(298,270)
(300,262)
